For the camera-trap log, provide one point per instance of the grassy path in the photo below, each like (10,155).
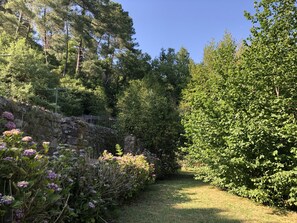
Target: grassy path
(184,200)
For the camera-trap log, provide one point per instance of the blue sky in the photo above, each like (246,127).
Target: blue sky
(190,23)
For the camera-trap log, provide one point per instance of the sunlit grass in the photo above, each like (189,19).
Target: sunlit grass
(184,200)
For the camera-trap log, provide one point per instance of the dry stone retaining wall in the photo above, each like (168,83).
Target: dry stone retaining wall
(44,125)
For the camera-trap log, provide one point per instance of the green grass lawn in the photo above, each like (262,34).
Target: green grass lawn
(181,199)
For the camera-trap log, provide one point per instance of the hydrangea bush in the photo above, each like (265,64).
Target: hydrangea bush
(67,186)
(98,185)
(7,121)
(25,189)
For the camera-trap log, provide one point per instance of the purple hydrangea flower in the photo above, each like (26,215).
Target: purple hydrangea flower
(9,158)
(52,175)
(10,125)
(53,186)
(2,146)
(7,200)
(23,184)
(19,214)
(91,205)
(29,152)
(8,115)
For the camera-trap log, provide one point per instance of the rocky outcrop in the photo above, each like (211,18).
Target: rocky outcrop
(133,145)
(44,125)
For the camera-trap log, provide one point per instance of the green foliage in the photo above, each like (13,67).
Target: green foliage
(129,175)
(61,41)
(24,76)
(240,110)
(172,71)
(146,113)
(75,99)
(119,151)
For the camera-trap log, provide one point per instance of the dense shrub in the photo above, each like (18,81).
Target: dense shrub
(240,110)
(97,185)
(64,187)
(124,176)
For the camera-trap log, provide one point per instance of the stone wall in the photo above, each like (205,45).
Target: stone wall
(44,125)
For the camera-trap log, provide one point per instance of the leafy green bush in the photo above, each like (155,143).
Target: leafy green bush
(123,176)
(75,99)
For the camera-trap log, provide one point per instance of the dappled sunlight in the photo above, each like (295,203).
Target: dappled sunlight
(208,200)
(181,199)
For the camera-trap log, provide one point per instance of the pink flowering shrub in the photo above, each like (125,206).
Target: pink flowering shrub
(122,177)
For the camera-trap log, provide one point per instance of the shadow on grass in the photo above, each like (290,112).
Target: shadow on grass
(202,215)
(163,202)
(280,212)
(183,180)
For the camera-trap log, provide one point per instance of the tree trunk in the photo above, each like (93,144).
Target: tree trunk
(79,58)
(28,32)
(277,91)
(67,48)
(80,47)
(19,25)
(45,40)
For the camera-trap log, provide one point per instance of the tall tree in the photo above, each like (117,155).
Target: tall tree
(16,17)
(172,70)
(148,114)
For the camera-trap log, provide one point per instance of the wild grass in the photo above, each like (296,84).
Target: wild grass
(181,199)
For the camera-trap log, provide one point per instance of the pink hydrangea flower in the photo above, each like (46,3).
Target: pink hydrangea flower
(23,184)
(12,132)
(27,139)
